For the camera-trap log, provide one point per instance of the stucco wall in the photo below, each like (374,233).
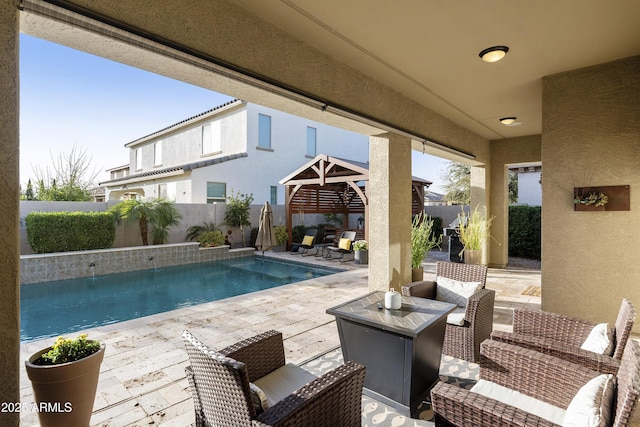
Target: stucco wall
(591,136)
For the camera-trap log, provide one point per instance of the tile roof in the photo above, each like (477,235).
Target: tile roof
(182,168)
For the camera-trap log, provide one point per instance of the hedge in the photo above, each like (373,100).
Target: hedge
(70,231)
(524,231)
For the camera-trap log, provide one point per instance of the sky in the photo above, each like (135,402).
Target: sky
(70,98)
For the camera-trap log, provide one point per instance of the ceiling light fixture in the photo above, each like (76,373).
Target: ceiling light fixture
(494,53)
(508,120)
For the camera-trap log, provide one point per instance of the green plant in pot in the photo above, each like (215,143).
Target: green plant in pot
(361,252)
(473,231)
(423,240)
(282,236)
(64,379)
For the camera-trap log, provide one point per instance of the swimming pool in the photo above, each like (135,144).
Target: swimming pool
(54,308)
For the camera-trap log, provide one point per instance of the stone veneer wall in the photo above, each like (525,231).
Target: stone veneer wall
(72,265)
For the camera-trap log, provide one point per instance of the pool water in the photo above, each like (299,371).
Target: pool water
(61,307)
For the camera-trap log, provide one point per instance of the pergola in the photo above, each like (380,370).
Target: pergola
(328,185)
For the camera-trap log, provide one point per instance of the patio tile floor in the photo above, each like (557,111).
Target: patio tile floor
(142,378)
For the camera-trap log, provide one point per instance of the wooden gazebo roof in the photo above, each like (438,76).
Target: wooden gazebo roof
(332,185)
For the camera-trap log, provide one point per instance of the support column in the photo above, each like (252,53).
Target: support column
(9,212)
(389,212)
(479,197)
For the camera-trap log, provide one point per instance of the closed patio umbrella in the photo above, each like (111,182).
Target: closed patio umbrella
(266,234)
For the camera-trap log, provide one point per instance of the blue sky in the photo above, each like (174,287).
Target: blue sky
(70,97)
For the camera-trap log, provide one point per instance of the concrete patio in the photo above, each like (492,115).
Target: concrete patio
(142,380)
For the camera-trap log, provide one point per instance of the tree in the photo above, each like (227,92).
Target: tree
(458,184)
(159,213)
(237,214)
(28,194)
(70,178)
(166,216)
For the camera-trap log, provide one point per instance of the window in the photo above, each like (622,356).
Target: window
(216,192)
(264,131)
(162,190)
(311,141)
(138,159)
(157,153)
(274,195)
(211,138)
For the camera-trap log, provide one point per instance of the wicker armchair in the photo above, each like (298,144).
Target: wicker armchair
(543,377)
(462,341)
(562,336)
(221,390)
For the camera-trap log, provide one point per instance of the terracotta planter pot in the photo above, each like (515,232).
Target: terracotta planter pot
(417,274)
(65,393)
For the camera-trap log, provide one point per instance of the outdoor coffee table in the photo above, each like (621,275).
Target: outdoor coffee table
(400,348)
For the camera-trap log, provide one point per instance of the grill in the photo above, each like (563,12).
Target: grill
(455,247)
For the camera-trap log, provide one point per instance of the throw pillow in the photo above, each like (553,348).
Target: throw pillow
(307,241)
(258,399)
(455,291)
(345,244)
(592,405)
(600,340)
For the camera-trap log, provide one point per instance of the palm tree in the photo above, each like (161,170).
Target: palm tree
(132,211)
(195,231)
(166,216)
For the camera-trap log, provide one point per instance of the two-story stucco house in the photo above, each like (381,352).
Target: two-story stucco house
(237,146)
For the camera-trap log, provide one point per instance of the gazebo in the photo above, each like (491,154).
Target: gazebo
(328,185)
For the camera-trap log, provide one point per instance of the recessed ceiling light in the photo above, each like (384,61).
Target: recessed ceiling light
(494,53)
(508,120)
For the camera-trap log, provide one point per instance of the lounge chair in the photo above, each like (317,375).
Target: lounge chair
(472,322)
(248,384)
(522,387)
(345,246)
(595,346)
(308,243)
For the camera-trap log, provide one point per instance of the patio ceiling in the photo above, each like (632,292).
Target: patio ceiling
(428,50)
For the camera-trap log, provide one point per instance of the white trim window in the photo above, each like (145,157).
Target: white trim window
(211,140)
(157,153)
(138,158)
(311,141)
(264,131)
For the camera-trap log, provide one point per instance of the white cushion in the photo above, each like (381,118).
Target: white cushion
(514,398)
(456,317)
(258,399)
(455,291)
(600,340)
(592,405)
(283,381)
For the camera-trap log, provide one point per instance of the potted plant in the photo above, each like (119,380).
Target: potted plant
(281,237)
(473,231)
(64,379)
(361,252)
(210,239)
(423,240)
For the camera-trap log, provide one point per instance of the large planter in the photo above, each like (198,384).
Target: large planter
(361,256)
(417,274)
(65,393)
(472,256)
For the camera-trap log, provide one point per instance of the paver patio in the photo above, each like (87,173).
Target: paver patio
(142,379)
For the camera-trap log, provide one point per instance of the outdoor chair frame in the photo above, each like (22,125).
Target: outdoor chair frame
(543,377)
(463,341)
(219,385)
(330,250)
(562,336)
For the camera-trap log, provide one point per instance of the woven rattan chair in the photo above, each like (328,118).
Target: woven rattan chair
(543,377)
(562,336)
(221,390)
(462,341)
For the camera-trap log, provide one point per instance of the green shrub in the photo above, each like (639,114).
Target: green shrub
(70,231)
(298,233)
(524,231)
(211,238)
(281,234)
